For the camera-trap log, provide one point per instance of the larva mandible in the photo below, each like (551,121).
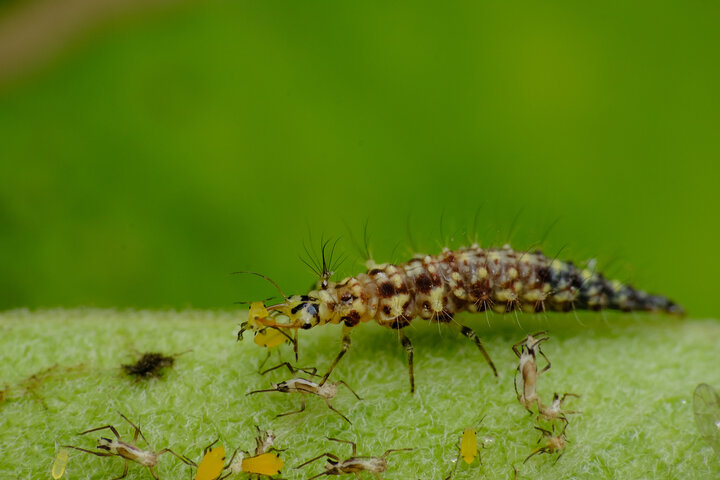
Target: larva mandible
(436,288)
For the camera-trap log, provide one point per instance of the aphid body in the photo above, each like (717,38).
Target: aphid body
(525,385)
(354,464)
(58,468)
(436,288)
(706,407)
(467,449)
(553,444)
(212,463)
(128,451)
(262,462)
(555,411)
(325,390)
(149,365)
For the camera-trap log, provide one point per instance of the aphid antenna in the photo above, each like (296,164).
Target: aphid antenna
(265,277)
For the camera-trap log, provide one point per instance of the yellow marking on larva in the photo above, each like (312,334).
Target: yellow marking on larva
(517,286)
(512,273)
(432,268)
(211,465)
(265,464)
(397,302)
(616,285)
(456,277)
(533,295)
(397,280)
(587,274)
(436,299)
(558,265)
(468,445)
(58,468)
(505,295)
(460,293)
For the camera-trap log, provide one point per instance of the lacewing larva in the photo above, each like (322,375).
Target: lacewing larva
(354,464)
(436,288)
(706,407)
(129,452)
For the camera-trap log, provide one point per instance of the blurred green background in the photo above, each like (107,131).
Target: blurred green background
(160,152)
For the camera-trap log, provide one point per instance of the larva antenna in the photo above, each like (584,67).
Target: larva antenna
(266,278)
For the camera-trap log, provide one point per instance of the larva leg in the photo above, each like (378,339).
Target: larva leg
(409,349)
(470,333)
(343,351)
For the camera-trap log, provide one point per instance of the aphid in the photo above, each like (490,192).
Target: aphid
(436,288)
(354,464)
(30,384)
(467,449)
(527,352)
(58,468)
(706,406)
(263,462)
(212,463)
(266,337)
(325,390)
(555,411)
(150,364)
(127,451)
(553,443)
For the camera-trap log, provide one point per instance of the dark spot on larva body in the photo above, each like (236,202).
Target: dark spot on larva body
(352,319)
(424,283)
(386,309)
(375,271)
(305,298)
(444,316)
(297,308)
(386,290)
(544,274)
(347,298)
(400,322)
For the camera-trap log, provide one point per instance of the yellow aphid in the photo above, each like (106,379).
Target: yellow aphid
(270,337)
(468,445)
(265,464)
(211,466)
(257,312)
(61,460)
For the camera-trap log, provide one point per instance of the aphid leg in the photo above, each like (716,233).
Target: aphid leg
(262,364)
(387,452)
(343,351)
(137,431)
(302,408)
(310,371)
(335,410)
(409,349)
(99,454)
(457,461)
(547,367)
(470,333)
(182,458)
(348,387)
(354,446)
(152,472)
(125,472)
(329,455)
(108,427)
(535,452)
